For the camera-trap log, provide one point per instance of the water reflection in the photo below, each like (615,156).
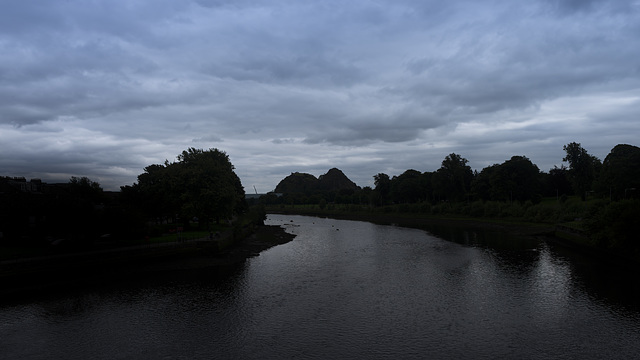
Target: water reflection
(616,283)
(346,289)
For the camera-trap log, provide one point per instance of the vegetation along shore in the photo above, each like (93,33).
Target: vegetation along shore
(592,205)
(186,214)
(195,208)
(113,264)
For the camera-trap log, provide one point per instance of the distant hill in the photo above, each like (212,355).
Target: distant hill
(297,183)
(333,180)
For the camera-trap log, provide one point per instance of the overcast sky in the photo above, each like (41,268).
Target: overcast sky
(103,88)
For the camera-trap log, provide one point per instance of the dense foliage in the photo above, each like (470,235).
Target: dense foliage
(620,174)
(608,211)
(517,179)
(200,185)
(35,213)
(599,198)
(198,188)
(583,168)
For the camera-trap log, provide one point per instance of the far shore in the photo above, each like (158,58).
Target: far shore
(545,231)
(423,221)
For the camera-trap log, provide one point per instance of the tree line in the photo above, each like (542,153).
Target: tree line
(598,198)
(515,180)
(196,190)
(201,188)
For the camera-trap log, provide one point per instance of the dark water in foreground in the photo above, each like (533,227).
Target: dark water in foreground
(346,289)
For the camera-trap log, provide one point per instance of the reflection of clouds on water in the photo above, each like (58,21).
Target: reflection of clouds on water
(366,291)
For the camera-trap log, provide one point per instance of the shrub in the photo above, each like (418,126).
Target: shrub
(571,210)
(547,213)
(615,225)
(477,209)
(322,204)
(425,208)
(492,209)
(512,210)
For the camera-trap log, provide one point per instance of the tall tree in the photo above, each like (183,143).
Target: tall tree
(202,184)
(620,176)
(583,168)
(522,179)
(210,187)
(453,180)
(408,187)
(517,179)
(77,214)
(382,189)
(483,185)
(154,193)
(558,183)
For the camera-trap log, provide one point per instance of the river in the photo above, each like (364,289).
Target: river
(346,289)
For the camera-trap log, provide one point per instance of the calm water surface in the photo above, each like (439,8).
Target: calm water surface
(345,289)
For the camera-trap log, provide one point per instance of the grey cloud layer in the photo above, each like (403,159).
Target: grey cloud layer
(154,77)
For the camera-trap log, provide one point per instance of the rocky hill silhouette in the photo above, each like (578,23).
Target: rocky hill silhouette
(333,180)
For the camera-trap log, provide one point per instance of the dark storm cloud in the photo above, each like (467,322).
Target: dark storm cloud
(393,127)
(309,70)
(573,7)
(103,88)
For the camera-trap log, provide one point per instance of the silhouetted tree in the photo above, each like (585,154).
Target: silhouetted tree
(558,183)
(408,187)
(583,168)
(483,184)
(522,179)
(154,193)
(620,176)
(453,180)
(382,188)
(517,179)
(208,186)
(75,212)
(200,184)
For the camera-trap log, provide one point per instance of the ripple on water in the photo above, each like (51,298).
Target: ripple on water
(365,291)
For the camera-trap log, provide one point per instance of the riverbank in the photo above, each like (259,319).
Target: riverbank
(57,273)
(576,241)
(420,221)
